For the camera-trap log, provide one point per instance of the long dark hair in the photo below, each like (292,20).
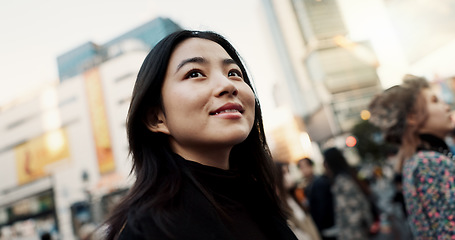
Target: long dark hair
(158,175)
(337,164)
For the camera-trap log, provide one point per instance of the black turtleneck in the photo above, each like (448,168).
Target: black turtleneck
(215,204)
(431,142)
(232,194)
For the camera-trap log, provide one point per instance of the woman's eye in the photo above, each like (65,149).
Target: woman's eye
(194,74)
(235,73)
(435,99)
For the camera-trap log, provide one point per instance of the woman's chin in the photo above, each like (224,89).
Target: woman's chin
(230,140)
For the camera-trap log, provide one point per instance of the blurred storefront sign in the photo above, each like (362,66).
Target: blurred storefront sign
(36,155)
(98,118)
(40,206)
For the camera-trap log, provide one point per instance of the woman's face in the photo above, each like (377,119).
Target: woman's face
(207,104)
(439,120)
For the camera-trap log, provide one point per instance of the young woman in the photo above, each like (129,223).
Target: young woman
(412,116)
(202,165)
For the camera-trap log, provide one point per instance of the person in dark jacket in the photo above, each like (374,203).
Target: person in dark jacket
(202,165)
(320,200)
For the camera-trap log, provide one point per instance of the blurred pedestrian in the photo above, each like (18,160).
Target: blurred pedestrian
(202,165)
(353,215)
(414,117)
(306,167)
(46,236)
(317,198)
(298,219)
(321,206)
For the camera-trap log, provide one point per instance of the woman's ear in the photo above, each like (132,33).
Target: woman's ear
(412,120)
(156,122)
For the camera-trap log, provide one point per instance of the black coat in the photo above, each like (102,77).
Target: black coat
(199,220)
(321,204)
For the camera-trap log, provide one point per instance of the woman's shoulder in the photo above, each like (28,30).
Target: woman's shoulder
(428,163)
(194,225)
(196,218)
(130,230)
(429,158)
(429,154)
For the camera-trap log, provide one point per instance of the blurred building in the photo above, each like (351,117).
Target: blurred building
(63,151)
(90,55)
(334,76)
(424,28)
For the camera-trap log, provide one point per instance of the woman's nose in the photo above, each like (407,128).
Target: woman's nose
(225,86)
(447,106)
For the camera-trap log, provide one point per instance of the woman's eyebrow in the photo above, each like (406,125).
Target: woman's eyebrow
(228,61)
(202,60)
(191,60)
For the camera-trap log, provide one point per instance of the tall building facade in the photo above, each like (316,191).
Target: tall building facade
(64,150)
(336,76)
(89,55)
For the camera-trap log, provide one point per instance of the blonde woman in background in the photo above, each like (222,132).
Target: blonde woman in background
(412,116)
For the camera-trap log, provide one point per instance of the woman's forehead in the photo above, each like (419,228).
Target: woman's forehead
(192,47)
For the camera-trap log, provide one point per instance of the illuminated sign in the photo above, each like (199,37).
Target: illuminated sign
(34,157)
(99,121)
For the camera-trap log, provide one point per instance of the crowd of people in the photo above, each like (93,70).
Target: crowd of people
(413,118)
(337,203)
(204,170)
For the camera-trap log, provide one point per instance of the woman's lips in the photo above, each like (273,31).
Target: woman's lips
(228,108)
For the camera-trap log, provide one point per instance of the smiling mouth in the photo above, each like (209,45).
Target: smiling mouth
(226,111)
(228,108)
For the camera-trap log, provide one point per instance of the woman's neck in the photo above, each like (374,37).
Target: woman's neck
(214,157)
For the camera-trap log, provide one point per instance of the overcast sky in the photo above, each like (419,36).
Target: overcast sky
(35,32)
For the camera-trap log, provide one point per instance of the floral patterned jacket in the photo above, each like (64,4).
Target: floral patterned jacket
(429,191)
(352,209)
